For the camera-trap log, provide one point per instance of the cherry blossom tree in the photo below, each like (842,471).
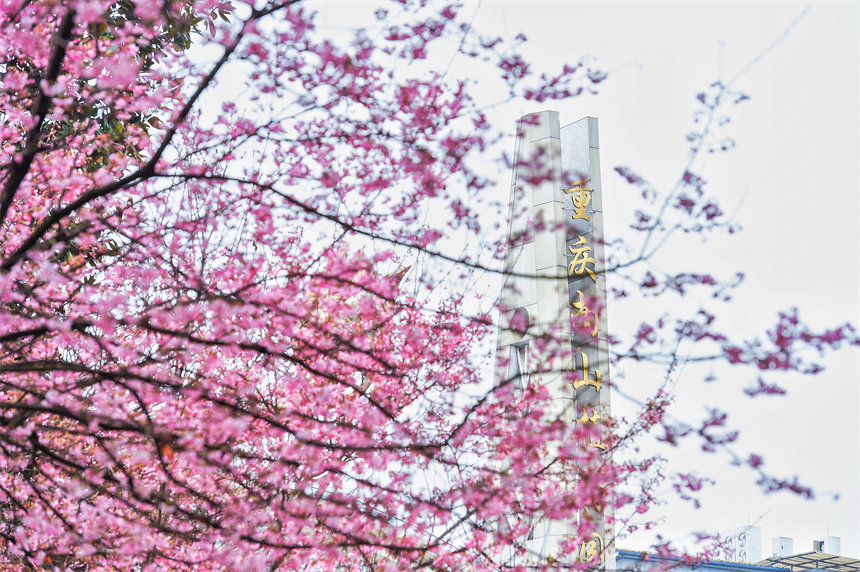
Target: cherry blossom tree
(215,352)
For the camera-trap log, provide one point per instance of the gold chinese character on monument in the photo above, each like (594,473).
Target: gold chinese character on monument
(595,511)
(581,315)
(586,376)
(598,444)
(591,549)
(593,418)
(580,259)
(581,197)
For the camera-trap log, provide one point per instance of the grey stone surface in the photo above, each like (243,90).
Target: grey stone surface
(546,240)
(549,152)
(596,181)
(546,125)
(507,337)
(592,132)
(575,156)
(552,304)
(519,289)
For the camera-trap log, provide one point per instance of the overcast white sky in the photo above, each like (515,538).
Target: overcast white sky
(793,183)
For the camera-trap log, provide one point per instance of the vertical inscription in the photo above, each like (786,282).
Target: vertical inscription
(587,302)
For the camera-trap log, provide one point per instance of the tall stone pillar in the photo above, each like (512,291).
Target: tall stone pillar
(555,291)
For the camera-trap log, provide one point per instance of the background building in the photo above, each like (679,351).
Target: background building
(825,555)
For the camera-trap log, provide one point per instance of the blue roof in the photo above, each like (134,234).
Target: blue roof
(691,564)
